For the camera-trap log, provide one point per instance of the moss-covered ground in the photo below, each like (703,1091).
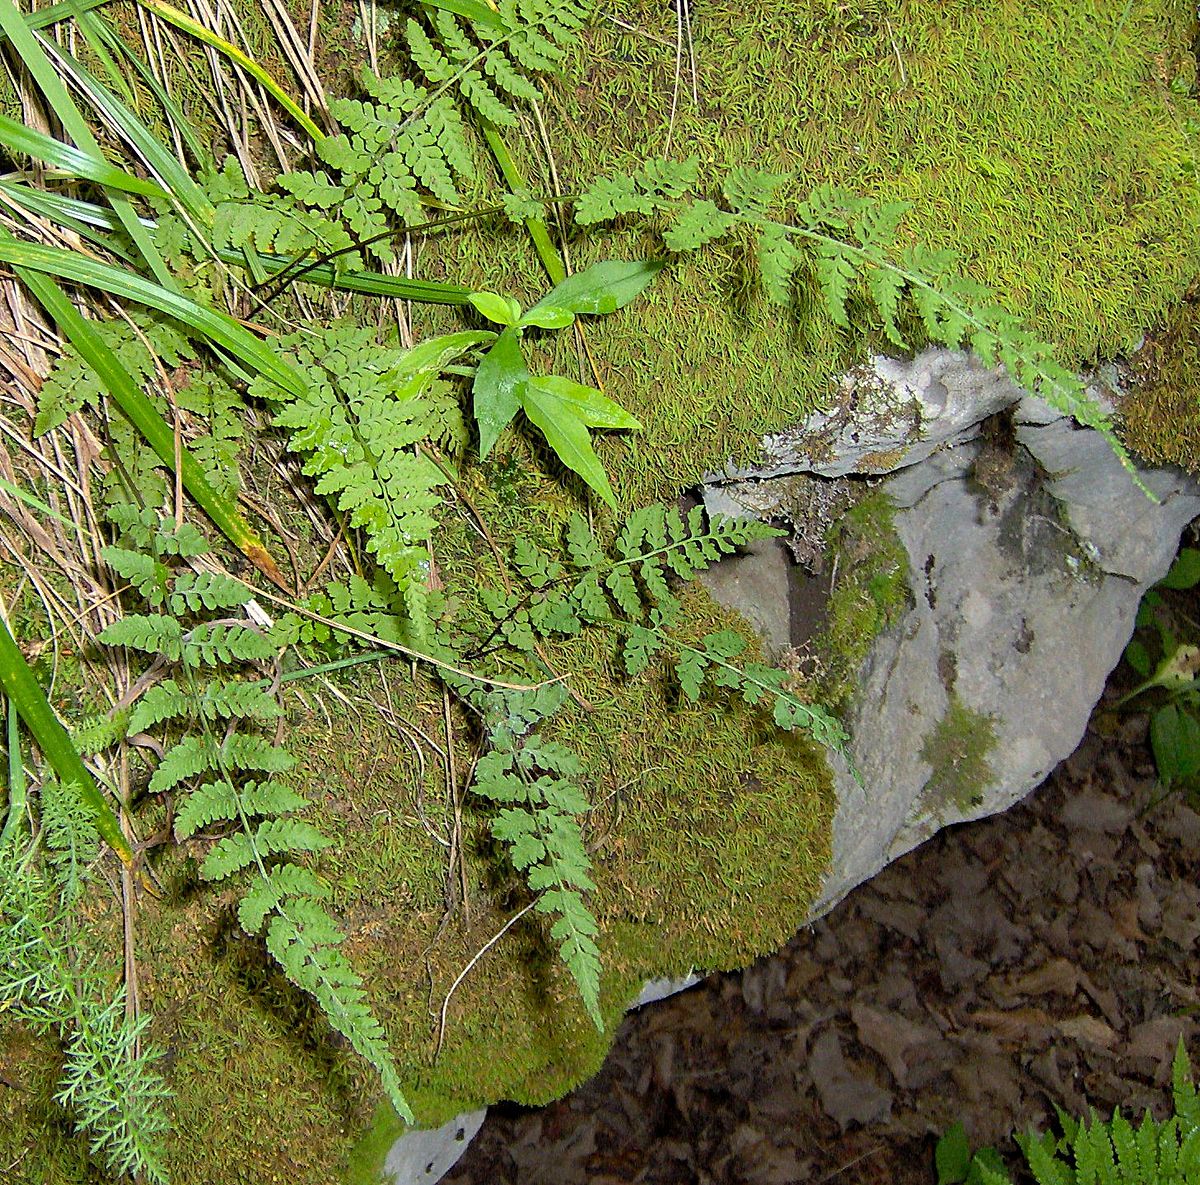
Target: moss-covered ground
(1047,143)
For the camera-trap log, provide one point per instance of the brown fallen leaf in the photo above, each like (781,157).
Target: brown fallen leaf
(1090,1030)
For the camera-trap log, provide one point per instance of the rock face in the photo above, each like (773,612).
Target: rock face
(1029,548)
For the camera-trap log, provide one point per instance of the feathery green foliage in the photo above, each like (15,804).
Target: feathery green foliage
(222,770)
(1095,1152)
(627,587)
(535,782)
(371,424)
(109,1085)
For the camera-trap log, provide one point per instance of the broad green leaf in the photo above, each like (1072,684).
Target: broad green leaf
(587,404)
(547,317)
(19,683)
(1179,669)
(568,436)
(1175,740)
(952,1156)
(602,288)
(434,353)
(18,138)
(1185,571)
(477,12)
(501,309)
(496,392)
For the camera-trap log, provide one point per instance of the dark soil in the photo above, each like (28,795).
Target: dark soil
(1046,955)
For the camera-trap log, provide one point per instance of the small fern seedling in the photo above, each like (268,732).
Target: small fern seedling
(223,769)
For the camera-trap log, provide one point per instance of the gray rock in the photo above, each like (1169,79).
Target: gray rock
(423,1157)
(1027,561)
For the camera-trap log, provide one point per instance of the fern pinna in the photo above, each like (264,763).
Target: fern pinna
(536,783)
(845,242)
(627,587)
(222,769)
(406,143)
(369,423)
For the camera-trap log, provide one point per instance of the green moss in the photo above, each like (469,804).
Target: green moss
(1042,141)
(870,592)
(1161,415)
(958,750)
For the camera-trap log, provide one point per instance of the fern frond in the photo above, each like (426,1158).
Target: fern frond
(267,894)
(144,572)
(303,941)
(193,591)
(698,223)
(158,635)
(219,643)
(244,849)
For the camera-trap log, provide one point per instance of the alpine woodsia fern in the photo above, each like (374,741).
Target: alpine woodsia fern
(405,143)
(221,769)
(847,243)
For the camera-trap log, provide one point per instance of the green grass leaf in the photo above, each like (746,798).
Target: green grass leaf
(20,684)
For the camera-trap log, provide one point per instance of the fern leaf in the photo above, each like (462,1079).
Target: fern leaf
(193,591)
(143,571)
(243,849)
(700,222)
(778,259)
(611,198)
(750,192)
(188,759)
(206,804)
(165,701)
(267,894)
(450,133)
(298,941)
(887,289)
(483,98)
(238,700)
(152,635)
(428,57)
(835,270)
(575,931)
(582,546)
(214,644)
(511,81)
(624,592)
(534,564)
(689,669)
(313,189)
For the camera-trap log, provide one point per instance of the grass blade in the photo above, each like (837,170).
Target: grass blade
(18,138)
(137,407)
(18,789)
(33,56)
(20,684)
(185,23)
(210,324)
